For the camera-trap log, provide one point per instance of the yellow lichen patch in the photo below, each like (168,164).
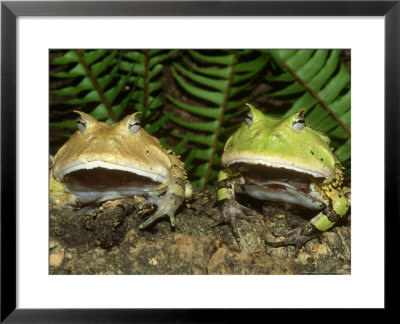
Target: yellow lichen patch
(320,249)
(131,236)
(301,258)
(56,258)
(112,203)
(153,261)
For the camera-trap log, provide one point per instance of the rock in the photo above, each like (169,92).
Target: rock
(180,254)
(233,261)
(327,254)
(107,240)
(56,254)
(103,227)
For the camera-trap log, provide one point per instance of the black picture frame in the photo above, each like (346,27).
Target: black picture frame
(11,10)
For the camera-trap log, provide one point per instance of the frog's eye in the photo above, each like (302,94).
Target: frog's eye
(134,126)
(249,119)
(298,123)
(81,125)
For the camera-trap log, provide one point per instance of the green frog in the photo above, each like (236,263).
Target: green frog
(282,160)
(101,162)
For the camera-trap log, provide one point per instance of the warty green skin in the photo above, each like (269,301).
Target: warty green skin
(285,160)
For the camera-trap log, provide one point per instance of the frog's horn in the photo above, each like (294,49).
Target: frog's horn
(136,113)
(85,120)
(130,117)
(85,116)
(132,122)
(255,114)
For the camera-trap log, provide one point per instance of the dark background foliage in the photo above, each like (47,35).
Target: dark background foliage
(193,100)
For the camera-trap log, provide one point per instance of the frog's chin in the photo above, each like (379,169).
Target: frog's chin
(278,169)
(154,174)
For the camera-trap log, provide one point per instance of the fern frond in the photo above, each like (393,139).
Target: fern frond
(108,82)
(147,66)
(320,84)
(215,83)
(194,99)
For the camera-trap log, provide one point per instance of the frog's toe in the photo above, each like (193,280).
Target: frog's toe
(231,211)
(165,207)
(156,216)
(231,221)
(248,212)
(296,237)
(150,201)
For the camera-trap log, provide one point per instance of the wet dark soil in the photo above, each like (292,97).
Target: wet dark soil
(107,240)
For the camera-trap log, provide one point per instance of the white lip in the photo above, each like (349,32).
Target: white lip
(276,163)
(156,174)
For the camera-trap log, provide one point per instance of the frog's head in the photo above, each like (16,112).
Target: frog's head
(118,155)
(285,145)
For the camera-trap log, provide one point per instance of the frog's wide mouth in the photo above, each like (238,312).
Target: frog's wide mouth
(99,184)
(261,170)
(103,179)
(109,170)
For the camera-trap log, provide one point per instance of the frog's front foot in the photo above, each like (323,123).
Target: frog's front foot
(166,206)
(230,212)
(296,237)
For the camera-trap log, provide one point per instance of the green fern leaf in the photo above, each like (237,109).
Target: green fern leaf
(321,84)
(109,82)
(212,80)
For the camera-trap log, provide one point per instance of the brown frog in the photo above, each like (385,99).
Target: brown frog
(101,162)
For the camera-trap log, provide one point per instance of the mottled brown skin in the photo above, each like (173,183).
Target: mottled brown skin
(100,155)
